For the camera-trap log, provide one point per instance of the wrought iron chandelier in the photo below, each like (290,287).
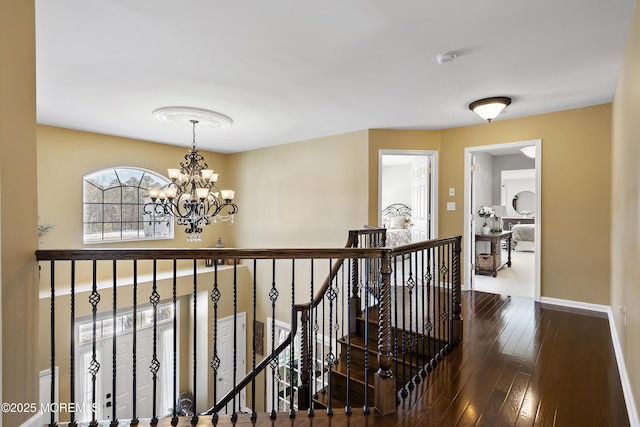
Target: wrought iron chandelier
(192,197)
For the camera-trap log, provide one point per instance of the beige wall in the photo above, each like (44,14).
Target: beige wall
(576,177)
(305,194)
(18,213)
(68,155)
(625,207)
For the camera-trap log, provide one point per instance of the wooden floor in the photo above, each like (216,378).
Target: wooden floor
(520,364)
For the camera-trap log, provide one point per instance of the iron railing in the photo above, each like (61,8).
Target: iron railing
(134,332)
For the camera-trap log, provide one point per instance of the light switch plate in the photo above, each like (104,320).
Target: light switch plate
(451,206)
(452,191)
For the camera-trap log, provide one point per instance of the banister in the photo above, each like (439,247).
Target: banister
(350,251)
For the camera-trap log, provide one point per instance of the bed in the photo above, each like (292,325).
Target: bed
(523,237)
(396,218)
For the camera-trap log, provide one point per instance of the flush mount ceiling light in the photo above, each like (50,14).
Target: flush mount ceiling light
(489,108)
(529,151)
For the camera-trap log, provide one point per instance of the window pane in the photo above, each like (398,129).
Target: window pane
(92,194)
(130,213)
(113,195)
(112,213)
(104,179)
(149,181)
(130,194)
(130,177)
(93,232)
(92,213)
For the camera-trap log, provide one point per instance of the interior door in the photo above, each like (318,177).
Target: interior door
(420,198)
(472,218)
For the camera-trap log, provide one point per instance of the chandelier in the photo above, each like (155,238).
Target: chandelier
(192,197)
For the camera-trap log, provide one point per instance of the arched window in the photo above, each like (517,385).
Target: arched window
(114,202)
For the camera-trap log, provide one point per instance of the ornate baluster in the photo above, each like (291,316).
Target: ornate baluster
(425,311)
(431,309)
(215,359)
(410,285)
(94,366)
(304,388)
(347,407)
(404,392)
(114,418)
(254,414)
(154,299)
(194,417)
(305,392)
(330,359)
(273,363)
(367,296)
(134,356)
(53,343)
(72,349)
(292,364)
(174,418)
(234,415)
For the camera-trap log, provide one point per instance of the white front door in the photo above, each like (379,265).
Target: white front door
(124,373)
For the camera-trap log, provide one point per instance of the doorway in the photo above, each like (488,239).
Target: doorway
(100,341)
(408,178)
(483,186)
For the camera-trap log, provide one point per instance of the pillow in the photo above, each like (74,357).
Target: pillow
(397,222)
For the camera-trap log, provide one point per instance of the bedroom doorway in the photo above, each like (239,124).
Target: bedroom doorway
(407,187)
(502,177)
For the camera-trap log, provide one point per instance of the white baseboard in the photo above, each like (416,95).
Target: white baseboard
(35,421)
(576,304)
(617,348)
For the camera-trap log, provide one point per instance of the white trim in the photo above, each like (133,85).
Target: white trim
(575,304)
(468,151)
(632,411)
(35,421)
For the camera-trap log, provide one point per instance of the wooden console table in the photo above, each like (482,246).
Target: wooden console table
(491,263)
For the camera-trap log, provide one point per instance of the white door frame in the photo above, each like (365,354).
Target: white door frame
(433,181)
(467,242)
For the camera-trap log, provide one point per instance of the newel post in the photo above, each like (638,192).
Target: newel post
(456,318)
(385,387)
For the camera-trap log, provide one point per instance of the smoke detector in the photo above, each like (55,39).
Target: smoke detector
(445,58)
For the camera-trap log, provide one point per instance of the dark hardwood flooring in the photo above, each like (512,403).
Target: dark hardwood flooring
(520,364)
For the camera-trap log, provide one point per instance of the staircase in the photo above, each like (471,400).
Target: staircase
(415,354)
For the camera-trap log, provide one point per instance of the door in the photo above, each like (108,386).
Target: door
(472,218)
(123,396)
(420,200)
(226,376)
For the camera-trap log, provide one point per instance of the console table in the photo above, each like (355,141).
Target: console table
(491,263)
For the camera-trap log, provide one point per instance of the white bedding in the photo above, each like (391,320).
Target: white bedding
(523,237)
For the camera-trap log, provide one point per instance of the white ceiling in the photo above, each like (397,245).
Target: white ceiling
(290,70)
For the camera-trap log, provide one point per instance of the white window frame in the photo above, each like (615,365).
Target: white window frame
(150,226)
